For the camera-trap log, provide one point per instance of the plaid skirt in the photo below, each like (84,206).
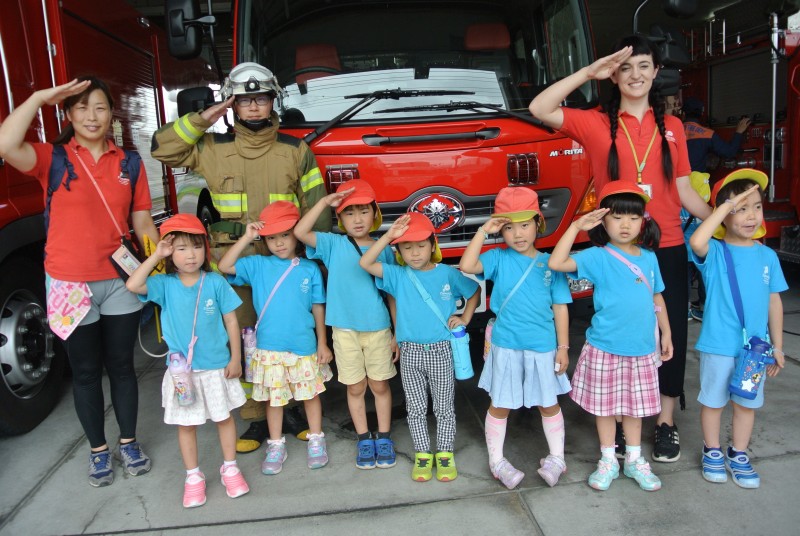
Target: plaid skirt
(607,384)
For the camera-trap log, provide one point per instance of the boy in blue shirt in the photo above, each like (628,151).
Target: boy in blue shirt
(738,221)
(362,336)
(426,359)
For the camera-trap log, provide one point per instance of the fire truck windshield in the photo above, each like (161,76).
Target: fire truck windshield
(500,52)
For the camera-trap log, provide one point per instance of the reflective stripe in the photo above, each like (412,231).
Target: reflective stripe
(284,197)
(225,203)
(310,180)
(186,131)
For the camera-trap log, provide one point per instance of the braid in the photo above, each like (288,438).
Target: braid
(612,109)
(657,102)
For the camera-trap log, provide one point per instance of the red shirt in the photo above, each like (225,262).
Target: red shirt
(81,235)
(591,128)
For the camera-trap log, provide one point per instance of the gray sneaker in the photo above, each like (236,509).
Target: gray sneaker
(101,470)
(134,459)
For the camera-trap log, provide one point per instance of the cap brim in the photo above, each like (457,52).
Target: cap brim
(412,236)
(188,230)
(354,199)
(436,255)
(523,215)
(277,227)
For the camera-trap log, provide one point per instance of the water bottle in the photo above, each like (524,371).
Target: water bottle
(487,341)
(751,368)
(462,363)
(249,343)
(182,378)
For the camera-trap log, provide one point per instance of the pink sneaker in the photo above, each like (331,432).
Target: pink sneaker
(233,480)
(507,474)
(194,490)
(552,469)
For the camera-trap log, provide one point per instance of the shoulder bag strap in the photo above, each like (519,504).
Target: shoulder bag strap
(516,287)
(735,293)
(100,193)
(426,297)
(194,322)
(632,267)
(294,263)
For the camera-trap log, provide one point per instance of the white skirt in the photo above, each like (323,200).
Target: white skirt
(215,397)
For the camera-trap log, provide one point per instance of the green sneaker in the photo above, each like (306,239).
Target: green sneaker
(445,467)
(423,467)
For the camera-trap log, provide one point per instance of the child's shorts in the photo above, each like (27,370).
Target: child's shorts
(282,376)
(363,354)
(715,375)
(516,378)
(606,384)
(215,397)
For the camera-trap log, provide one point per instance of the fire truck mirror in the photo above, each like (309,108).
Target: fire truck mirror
(183,39)
(195,99)
(680,9)
(671,44)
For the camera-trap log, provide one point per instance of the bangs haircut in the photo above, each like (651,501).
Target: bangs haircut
(194,240)
(735,188)
(624,203)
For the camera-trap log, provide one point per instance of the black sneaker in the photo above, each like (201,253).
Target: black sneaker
(619,439)
(667,446)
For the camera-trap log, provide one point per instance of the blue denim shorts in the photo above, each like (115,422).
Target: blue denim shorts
(715,375)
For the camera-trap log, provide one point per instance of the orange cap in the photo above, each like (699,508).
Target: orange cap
(185,223)
(518,204)
(278,217)
(754,175)
(621,187)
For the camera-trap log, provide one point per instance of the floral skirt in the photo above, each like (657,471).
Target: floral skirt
(282,376)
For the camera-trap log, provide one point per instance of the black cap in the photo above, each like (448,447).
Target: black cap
(693,106)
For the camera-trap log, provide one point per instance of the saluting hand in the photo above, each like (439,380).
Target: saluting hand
(399,227)
(590,220)
(55,95)
(606,66)
(335,199)
(213,113)
(494,225)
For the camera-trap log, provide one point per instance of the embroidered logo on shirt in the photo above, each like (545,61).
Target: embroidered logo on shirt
(548,278)
(670,136)
(765,275)
(209,308)
(304,286)
(123,178)
(446,294)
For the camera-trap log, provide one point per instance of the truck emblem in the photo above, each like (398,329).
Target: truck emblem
(444,210)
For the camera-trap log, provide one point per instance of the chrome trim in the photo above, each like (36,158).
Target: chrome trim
(51,51)
(6,76)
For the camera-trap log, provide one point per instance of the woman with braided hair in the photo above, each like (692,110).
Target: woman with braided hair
(631,139)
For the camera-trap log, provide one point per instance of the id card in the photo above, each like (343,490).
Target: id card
(647,188)
(125,260)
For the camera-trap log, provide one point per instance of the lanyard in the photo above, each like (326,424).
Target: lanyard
(639,167)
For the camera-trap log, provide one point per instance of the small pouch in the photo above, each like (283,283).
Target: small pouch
(751,367)
(124,259)
(67,304)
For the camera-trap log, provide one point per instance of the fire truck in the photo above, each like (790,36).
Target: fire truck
(743,65)
(42,44)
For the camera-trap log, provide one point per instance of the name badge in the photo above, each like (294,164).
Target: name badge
(647,188)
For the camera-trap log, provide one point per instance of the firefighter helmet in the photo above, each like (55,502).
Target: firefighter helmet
(250,78)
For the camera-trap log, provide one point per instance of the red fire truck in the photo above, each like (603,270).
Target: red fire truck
(743,65)
(43,44)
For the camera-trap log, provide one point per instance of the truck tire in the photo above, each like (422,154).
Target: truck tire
(32,359)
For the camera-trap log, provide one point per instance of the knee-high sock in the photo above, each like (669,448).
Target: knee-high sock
(495,437)
(554,432)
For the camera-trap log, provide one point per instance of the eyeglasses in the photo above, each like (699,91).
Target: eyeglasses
(261,100)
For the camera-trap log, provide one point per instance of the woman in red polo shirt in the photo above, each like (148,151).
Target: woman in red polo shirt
(84,230)
(631,139)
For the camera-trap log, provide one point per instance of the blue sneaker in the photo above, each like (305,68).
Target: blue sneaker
(696,313)
(714,465)
(101,471)
(385,456)
(743,474)
(689,315)
(607,471)
(366,454)
(134,459)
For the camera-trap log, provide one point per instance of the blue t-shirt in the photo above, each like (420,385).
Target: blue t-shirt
(287,324)
(758,273)
(353,299)
(177,304)
(416,322)
(527,322)
(624,321)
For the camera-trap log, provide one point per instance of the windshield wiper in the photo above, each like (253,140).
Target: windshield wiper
(468,105)
(367,99)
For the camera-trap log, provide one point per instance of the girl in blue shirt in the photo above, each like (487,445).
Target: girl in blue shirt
(617,372)
(197,302)
(292,355)
(528,359)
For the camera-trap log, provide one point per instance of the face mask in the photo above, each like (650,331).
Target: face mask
(255,126)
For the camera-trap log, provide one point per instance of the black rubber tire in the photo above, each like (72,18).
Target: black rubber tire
(19,415)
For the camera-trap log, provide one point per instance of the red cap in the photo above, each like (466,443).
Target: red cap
(185,223)
(518,204)
(621,187)
(278,217)
(419,229)
(363,194)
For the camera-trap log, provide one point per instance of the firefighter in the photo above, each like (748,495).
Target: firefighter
(246,170)
(703,141)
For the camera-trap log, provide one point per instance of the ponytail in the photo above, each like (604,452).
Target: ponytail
(659,108)
(650,235)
